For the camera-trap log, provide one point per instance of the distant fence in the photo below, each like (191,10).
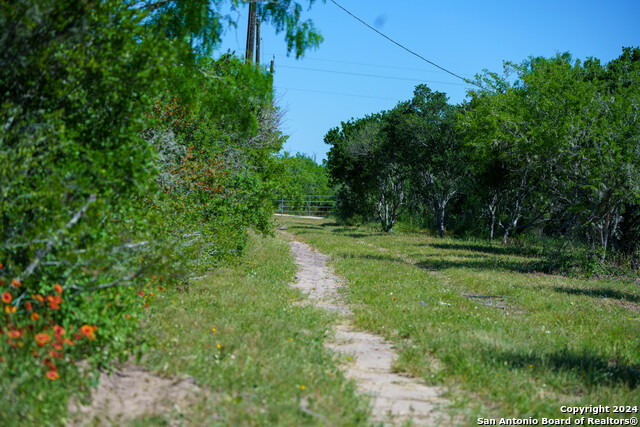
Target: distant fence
(306,205)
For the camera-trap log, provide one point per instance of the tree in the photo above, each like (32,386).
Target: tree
(423,131)
(301,175)
(370,172)
(566,140)
(201,22)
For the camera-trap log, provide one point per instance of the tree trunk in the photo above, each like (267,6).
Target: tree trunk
(493,223)
(513,222)
(441,208)
(390,202)
(492,208)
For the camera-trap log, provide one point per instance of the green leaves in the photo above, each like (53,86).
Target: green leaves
(202,22)
(125,155)
(561,134)
(302,176)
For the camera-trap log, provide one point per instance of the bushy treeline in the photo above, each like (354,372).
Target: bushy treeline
(129,161)
(300,177)
(551,146)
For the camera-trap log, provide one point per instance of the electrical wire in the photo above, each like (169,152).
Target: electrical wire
(336,93)
(369,75)
(403,47)
(306,58)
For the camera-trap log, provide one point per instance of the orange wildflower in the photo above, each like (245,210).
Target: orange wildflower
(28,306)
(40,298)
(14,334)
(57,345)
(86,330)
(53,375)
(10,309)
(55,354)
(56,299)
(68,341)
(35,317)
(58,331)
(57,288)
(16,283)
(6,298)
(42,339)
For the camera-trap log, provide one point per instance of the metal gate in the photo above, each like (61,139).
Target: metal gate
(305,205)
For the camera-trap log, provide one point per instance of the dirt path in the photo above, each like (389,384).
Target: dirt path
(395,398)
(131,392)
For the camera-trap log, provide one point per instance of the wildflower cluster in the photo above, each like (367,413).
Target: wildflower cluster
(29,329)
(147,293)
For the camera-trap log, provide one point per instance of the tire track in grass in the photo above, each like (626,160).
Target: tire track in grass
(396,399)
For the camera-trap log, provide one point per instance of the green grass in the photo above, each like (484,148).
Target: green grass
(466,315)
(265,364)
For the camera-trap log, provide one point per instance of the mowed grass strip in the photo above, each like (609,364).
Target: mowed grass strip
(465,314)
(257,354)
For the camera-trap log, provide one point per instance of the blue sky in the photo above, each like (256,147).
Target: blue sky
(356,71)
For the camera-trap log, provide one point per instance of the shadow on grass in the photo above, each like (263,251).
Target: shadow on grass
(372,257)
(354,233)
(487,249)
(330,224)
(360,235)
(599,293)
(441,264)
(438,263)
(589,367)
(296,226)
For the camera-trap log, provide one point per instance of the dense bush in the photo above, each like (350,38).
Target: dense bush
(128,161)
(76,80)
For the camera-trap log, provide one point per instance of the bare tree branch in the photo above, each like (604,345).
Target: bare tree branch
(41,254)
(117,282)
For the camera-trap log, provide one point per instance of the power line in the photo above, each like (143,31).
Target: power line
(306,58)
(336,93)
(369,75)
(403,47)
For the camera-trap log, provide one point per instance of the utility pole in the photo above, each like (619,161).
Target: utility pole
(257,41)
(251,32)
